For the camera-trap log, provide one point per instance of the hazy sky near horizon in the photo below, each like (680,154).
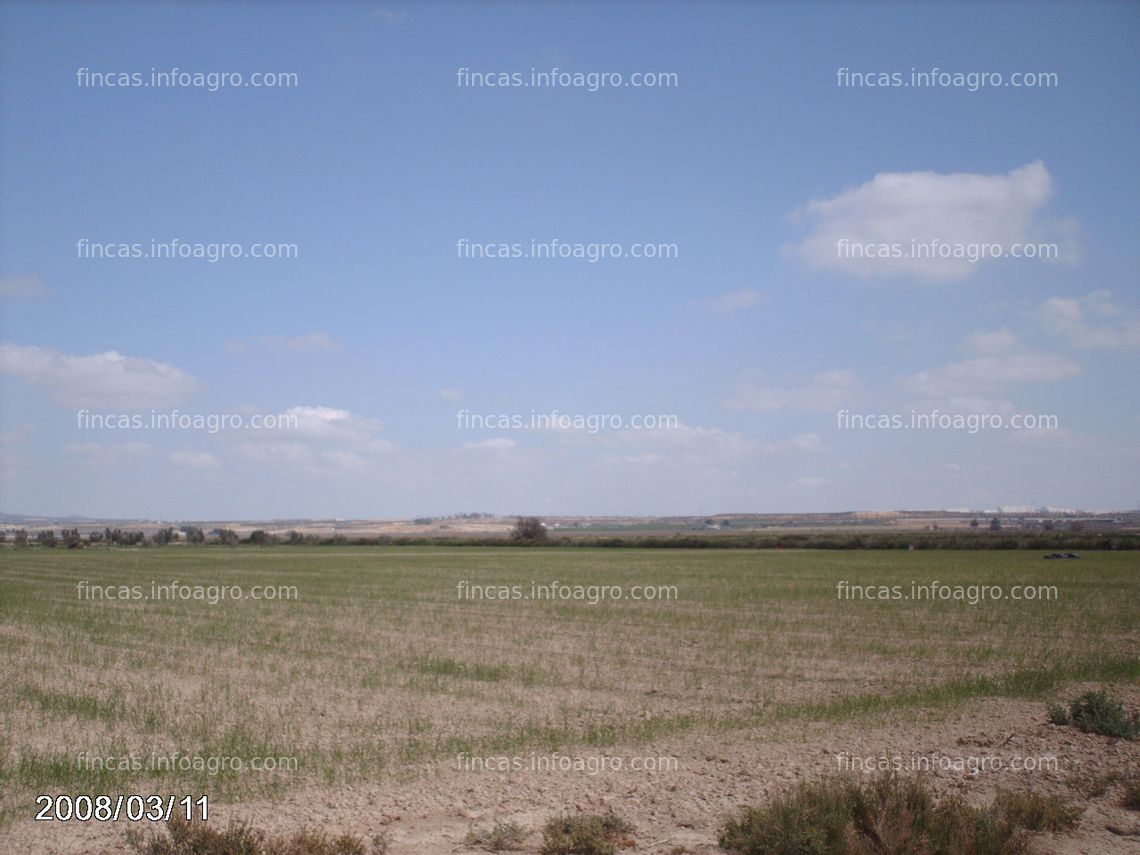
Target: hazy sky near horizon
(756,171)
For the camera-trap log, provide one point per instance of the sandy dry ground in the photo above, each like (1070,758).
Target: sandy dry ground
(684,807)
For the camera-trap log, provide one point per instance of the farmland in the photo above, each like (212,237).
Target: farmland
(378,667)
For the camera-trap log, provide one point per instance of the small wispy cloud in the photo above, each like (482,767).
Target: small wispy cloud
(1090,321)
(496,444)
(108,454)
(384,12)
(22,286)
(195,460)
(827,390)
(982,375)
(306,343)
(990,342)
(735,301)
(801,443)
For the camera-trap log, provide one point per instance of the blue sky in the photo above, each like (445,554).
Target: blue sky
(377,333)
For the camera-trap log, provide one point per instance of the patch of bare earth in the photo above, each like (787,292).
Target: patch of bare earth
(972,753)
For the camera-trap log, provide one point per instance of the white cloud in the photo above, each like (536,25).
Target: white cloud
(1058,435)
(107,454)
(22,286)
(1090,321)
(896,208)
(195,460)
(682,436)
(276,453)
(650,458)
(985,342)
(311,341)
(327,423)
(345,459)
(682,445)
(319,439)
(100,380)
(498,444)
(829,390)
(451,394)
(971,378)
(966,405)
(734,301)
(801,443)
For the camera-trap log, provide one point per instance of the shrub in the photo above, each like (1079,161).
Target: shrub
(1130,798)
(505,836)
(195,838)
(813,818)
(1097,712)
(843,816)
(959,828)
(585,834)
(1035,812)
(529,530)
(1092,786)
(1058,715)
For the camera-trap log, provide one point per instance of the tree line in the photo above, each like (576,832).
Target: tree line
(531,531)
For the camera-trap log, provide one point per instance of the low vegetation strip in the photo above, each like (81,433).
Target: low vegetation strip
(842,816)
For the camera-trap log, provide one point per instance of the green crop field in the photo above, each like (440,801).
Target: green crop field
(371,663)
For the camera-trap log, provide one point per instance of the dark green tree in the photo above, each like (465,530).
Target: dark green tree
(528,530)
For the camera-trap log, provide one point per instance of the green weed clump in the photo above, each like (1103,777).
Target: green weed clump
(843,816)
(1035,812)
(1097,712)
(586,834)
(503,837)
